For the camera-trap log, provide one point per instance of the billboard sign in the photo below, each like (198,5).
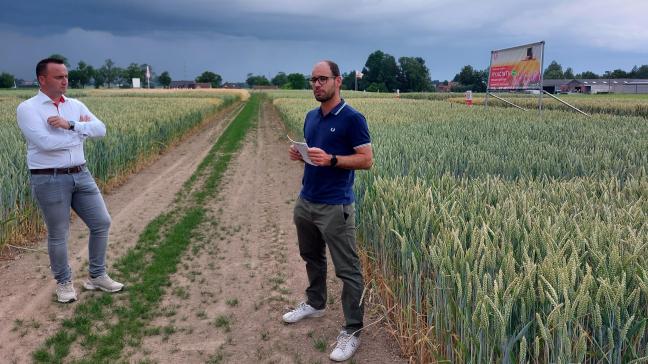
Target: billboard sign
(517,68)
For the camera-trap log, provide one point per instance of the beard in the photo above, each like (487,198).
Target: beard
(325,96)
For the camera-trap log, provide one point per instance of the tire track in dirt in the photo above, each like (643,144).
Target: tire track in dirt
(28,311)
(244,271)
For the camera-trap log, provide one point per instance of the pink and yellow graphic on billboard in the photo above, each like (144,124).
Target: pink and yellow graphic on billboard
(518,68)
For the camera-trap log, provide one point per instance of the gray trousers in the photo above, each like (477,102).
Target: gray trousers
(56,194)
(321,225)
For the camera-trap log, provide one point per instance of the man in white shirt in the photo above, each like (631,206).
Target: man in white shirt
(55,128)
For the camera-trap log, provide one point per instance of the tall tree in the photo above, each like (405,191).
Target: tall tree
(210,77)
(569,73)
(471,79)
(253,80)
(390,73)
(554,71)
(7,80)
(587,75)
(414,75)
(481,83)
(280,79)
(74,78)
(373,68)
(641,72)
(165,79)
(134,70)
(297,81)
(81,76)
(110,73)
(380,72)
(348,80)
(617,73)
(99,78)
(466,76)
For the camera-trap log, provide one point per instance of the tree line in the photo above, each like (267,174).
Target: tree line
(291,81)
(476,80)
(380,73)
(110,75)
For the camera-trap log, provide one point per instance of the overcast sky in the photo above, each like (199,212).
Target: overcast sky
(234,38)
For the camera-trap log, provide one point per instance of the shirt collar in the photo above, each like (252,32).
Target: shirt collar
(44,99)
(337,109)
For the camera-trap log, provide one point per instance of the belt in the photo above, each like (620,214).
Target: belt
(69,170)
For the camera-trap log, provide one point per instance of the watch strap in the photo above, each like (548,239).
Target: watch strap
(334,160)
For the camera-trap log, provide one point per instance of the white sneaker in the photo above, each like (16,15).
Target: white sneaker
(103,283)
(303,310)
(346,347)
(65,292)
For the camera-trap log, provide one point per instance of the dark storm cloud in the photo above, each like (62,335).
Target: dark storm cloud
(128,18)
(115,17)
(237,37)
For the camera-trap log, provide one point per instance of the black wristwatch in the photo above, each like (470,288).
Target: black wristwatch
(71,122)
(333,160)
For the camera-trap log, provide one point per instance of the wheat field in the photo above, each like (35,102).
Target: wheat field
(139,124)
(498,235)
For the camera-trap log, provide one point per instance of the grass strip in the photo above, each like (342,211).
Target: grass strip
(105,324)
(207,161)
(222,152)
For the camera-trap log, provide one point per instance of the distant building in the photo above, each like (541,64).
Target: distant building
(26,84)
(182,84)
(597,86)
(446,88)
(233,85)
(189,84)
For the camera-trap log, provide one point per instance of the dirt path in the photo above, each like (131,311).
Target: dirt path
(235,281)
(28,311)
(244,272)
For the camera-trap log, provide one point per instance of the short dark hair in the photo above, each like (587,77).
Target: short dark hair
(335,70)
(41,67)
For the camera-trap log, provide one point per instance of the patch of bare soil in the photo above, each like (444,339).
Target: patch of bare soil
(29,312)
(243,272)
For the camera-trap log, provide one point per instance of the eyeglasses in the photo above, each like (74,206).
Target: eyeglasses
(321,79)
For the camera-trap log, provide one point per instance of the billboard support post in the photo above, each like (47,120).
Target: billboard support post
(566,103)
(488,82)
(508,102)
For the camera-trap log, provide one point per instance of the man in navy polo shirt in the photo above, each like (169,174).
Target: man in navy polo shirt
(339,143)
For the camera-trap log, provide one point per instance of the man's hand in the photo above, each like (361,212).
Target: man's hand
(319,157)
(294,154)
(58,122)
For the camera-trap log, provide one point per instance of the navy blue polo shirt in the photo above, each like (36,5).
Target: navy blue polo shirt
(339,132)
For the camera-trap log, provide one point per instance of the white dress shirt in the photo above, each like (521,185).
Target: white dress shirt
(51,147)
